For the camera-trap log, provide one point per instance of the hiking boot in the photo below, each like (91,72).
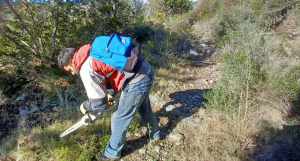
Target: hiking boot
(102,157)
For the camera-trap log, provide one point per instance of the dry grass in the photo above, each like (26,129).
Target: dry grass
(222,137)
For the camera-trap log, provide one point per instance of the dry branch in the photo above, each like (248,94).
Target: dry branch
(283,7)
(24,25)
(12,40)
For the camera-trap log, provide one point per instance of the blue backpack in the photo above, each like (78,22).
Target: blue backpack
(116,51)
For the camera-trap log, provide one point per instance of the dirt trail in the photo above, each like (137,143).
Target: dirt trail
(181,106)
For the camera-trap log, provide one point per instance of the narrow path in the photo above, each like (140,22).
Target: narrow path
(181,106)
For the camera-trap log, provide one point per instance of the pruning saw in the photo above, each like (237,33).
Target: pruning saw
(85,120)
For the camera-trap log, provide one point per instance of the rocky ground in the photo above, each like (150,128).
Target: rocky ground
(181,106)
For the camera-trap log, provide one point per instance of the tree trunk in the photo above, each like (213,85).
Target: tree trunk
(37,29)
(36,49)
(54,31)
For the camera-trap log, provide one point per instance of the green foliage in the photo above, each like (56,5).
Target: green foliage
(157,6)
(135,124)
(243,73)
(161,7)
(140,33)
(159,17)
(10,84)
(288,86)
(206,9)
(65,23)
(103,140)
(257,5)
(180,6)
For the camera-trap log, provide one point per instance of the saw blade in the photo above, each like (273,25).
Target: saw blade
(73,128)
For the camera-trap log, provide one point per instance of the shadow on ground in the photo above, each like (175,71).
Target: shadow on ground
(182,105)
(278,145)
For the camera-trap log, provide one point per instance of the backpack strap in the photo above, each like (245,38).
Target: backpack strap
(111,37)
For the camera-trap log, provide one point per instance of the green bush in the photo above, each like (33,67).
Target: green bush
(288,87)
(159,17)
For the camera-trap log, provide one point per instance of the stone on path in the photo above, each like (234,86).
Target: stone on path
(153,98)
(142,151)
(138,134)
(173,110)
(157,149)
(170,108)
(175,137)
(164,152)
(144,130)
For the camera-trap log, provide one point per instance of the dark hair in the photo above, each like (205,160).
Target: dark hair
(65,56)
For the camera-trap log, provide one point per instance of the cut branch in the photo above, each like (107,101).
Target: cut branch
(27,46)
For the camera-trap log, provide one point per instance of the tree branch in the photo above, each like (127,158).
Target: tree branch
(283,7)
(14,41)
(35,26)
(53,35)
(24,26)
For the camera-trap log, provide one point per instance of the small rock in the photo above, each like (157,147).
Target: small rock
(128,134)
(48,119)
(157,149)
(175,137)
(209,51)
(193,53)
(160,103)
(195,109)
(153,98)
(170,108)
(198,120)
(21,98)
(206,82)
(144,130)
(138,134)
(173,85)
(164,152)
(142,151)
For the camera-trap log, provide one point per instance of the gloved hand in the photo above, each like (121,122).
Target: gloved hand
(110,100)
(82,108)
